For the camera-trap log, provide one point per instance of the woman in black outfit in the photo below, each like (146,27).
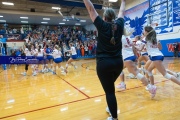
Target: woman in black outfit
(109,46)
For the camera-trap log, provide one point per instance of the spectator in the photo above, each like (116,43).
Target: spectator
(82,50)
(86,50)
(78,50)
(67,56)
(90,47)
(3,40)
(176,49)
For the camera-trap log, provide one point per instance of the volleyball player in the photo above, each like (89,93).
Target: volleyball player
(143,54)
(73,57)
(156,56)
(49,57)
(40,56)
(57,55)
(27,52)
(129,62)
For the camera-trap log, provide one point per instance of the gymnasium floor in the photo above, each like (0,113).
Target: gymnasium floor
(79,96)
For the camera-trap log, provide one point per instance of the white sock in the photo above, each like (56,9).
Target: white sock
(62,68)
(149,86)
(66,65)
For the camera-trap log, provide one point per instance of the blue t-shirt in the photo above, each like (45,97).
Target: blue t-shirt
(3,40)
(18,53)
(49,50)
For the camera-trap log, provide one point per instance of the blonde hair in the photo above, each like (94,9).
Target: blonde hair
(71,44)
(151,34)
(57,47)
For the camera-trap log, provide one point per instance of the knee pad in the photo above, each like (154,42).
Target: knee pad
(122,73)
(149,73)
(139,76)
(168,76)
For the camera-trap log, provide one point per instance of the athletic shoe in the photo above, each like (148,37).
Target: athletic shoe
(63,73)
(53,73)
(62,68)
(131,76)
(42,70)
(108,111)
(24,73)
(45,70)
(152,90)
(49,70)
(75,67)
(34,74)
(146,88)
(110,118)
(121,86)
(178,75)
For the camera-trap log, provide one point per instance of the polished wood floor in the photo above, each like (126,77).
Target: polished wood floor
(79,95)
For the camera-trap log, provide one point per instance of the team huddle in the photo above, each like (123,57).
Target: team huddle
(49,58)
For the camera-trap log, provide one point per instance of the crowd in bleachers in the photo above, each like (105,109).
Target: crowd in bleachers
(84,42)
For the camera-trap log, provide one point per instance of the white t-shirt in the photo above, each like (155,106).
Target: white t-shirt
(26,40)
(40,54)
(68,55)
(35,52)
(73,50)
(56,54)
(127,47)
(86,48)
(27,52)
(153,50)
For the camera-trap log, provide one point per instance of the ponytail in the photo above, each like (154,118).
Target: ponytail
(114,28)
(151,35)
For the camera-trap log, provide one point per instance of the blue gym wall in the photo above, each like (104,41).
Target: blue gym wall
(169,30)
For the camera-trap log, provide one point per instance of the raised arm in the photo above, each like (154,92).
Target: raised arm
(122,9)
(92,12)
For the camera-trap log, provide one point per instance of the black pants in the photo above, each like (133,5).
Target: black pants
(86,53)
(176,53)
(108,70)
(26,67)
(5,47)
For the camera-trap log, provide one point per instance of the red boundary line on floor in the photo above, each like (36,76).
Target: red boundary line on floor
(67,102)
(74,87)
(71,101)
